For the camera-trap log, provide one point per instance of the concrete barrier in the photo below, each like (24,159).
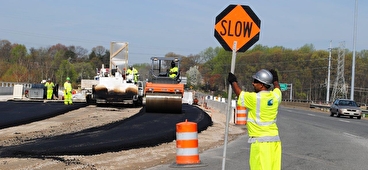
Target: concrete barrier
(6,88)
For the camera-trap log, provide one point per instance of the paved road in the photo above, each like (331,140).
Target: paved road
(310,140)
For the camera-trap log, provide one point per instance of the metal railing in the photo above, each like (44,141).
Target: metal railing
(327,107)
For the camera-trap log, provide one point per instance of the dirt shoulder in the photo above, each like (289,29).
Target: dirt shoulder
(92,116)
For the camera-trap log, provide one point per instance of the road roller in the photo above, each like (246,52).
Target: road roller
(163,90)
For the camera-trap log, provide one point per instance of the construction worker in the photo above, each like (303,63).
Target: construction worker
(49,89)
(174,70)
(68,92)
(132,72)
(135,73)
(262,105)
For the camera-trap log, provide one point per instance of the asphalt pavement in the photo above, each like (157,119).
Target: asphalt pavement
(310,140)
(141,130)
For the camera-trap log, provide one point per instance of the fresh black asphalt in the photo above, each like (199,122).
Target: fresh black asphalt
(14,113)
(141,130)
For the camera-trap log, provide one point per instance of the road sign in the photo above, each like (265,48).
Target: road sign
(237,23)
(283,86)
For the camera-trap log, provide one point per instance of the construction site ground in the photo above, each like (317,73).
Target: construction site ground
(92,116)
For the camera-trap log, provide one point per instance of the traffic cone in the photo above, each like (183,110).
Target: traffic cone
(187,145)
(241,115)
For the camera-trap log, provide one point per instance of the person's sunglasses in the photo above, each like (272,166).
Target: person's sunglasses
(256,81)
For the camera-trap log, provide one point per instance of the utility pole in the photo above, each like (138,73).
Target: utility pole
(291,92)
(354,44)
(328,76)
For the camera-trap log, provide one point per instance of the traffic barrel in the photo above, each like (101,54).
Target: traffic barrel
(241,115)
(187,145)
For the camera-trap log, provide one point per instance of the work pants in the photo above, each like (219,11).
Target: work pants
(135,78)
(68,98)
(265,156)
(49,94)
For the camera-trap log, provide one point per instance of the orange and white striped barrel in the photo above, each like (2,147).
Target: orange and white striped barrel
(241,115)
(187,143)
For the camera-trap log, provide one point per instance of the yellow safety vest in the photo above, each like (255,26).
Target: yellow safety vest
(134,71)
(68,87)
(262,114)
(173,72)
(49,86)
(129,71)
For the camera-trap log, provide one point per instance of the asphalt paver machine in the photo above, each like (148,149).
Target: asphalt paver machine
(112,85)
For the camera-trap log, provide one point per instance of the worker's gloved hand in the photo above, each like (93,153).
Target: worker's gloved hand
(274,75)
(231,78)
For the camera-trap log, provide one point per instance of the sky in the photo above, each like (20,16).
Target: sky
(185,27)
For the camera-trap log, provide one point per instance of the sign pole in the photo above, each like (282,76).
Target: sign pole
(233,57)
(240,26)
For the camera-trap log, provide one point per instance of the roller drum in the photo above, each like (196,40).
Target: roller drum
(163,102)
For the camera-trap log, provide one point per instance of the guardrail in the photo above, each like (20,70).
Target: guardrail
(327,107)
(221,105)
(312,105)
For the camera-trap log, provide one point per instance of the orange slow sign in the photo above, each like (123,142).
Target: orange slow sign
(237,23)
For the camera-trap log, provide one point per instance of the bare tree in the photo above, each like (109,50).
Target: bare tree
(81,52)
(99,51)
(5,48)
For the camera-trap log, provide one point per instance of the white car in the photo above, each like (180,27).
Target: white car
(345,107)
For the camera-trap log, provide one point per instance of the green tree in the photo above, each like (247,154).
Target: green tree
(18,54)
(84,70)
(208,54)
(16,73)
(66,69)
(143,70)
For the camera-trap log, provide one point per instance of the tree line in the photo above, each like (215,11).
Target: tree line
(17,64)
(305,68)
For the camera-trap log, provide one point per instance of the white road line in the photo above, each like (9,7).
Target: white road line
(351,135)
(345,121)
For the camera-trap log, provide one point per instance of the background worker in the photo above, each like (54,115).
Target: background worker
(262,105)
(132,72)
(49,89)
(135,73)
(68,92)
(174,70)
